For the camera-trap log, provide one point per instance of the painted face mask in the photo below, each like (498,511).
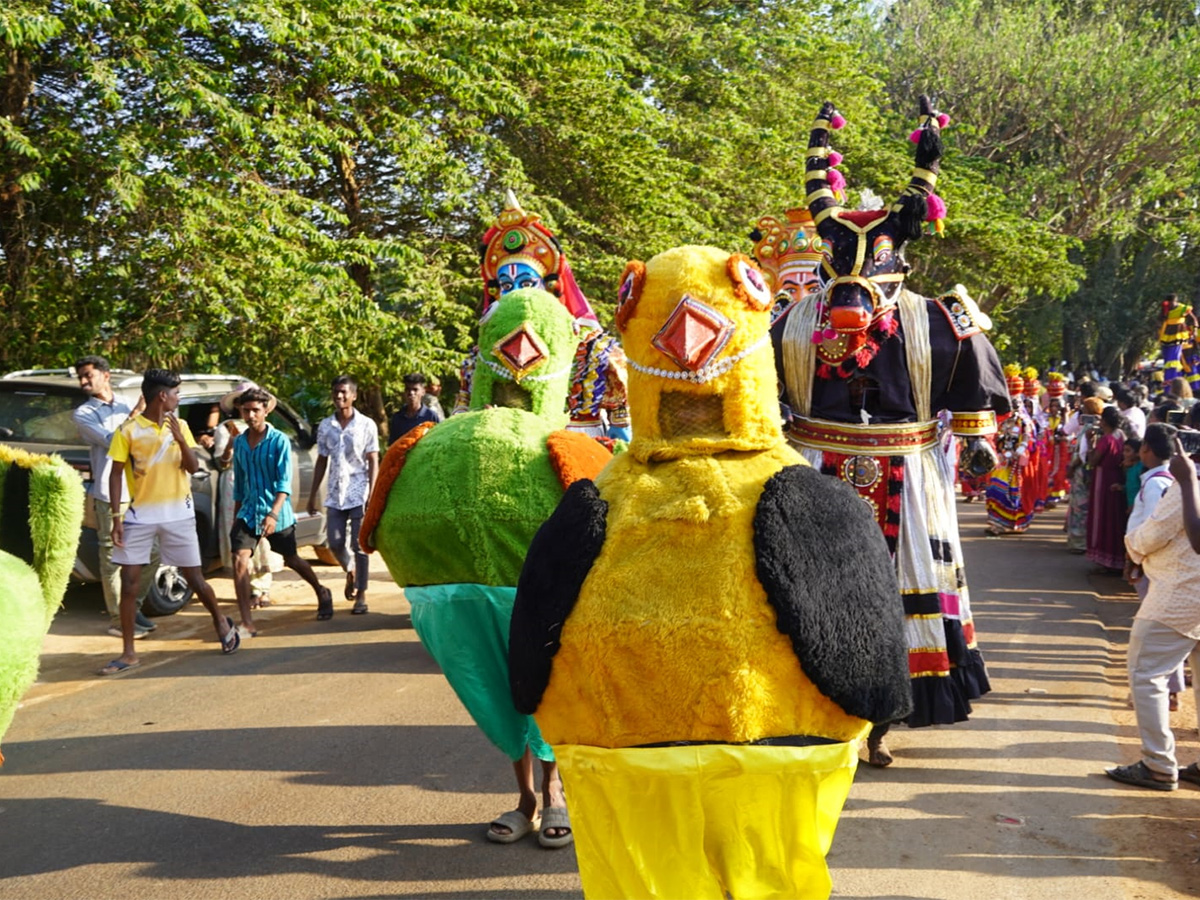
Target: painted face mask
(515,275)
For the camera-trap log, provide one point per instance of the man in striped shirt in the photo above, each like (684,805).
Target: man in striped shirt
(262,485)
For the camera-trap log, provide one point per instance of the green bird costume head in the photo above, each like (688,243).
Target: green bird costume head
(472,491)
(527,342)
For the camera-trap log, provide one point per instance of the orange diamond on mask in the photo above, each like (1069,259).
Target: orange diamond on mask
(521,352)
(694,334)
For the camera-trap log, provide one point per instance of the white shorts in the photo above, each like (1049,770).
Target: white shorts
(178,544)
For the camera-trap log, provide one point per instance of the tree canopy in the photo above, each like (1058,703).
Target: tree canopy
(295,189)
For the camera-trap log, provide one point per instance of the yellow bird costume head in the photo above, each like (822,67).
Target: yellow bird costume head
(694,325)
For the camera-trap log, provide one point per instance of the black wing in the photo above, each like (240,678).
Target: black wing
(827,573)
(558,561)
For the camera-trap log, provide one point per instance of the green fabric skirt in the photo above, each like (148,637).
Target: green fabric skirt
(465,629)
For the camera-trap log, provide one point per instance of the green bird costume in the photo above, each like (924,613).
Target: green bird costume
(41,510)
(457,505)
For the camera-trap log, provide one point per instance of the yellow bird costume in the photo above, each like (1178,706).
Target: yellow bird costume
(706,632)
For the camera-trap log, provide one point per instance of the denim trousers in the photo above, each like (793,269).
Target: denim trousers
(343,524)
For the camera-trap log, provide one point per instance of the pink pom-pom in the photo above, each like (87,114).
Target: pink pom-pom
(837,181)
(817,338)
(943,120)
(830,333)
(915,136)
(936,208)
(837,122)
(835,158)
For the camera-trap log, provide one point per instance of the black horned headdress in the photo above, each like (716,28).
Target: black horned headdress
(863,268)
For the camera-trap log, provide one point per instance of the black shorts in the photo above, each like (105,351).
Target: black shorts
(242,538)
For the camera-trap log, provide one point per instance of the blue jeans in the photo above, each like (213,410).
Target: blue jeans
(351,557)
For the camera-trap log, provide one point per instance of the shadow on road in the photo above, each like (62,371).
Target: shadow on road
(164,845)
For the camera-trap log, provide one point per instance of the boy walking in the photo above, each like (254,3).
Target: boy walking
(262,484)
(348,447)
(153,452)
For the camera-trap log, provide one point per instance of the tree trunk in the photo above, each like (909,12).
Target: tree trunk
(360,274)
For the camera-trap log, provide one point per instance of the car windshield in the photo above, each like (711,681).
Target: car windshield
(34,414)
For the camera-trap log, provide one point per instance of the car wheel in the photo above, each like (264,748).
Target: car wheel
(168,594)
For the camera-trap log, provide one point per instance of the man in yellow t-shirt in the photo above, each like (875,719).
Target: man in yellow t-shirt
(154,452)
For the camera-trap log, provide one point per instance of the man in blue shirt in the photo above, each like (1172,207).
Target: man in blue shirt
(97,419)
(262,484)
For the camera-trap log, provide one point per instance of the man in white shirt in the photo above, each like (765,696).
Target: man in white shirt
(97,419)
(348,447)
(1165,632)
(1154,453)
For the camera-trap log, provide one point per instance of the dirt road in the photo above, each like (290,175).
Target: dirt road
(332,760)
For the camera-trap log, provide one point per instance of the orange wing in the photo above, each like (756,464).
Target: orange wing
(389,471)
(575,456)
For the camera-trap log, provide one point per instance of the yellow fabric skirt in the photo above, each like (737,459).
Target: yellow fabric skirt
(706,821)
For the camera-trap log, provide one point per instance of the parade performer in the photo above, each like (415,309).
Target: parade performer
(1060,442)
(1033,500)
(518,251)
(867,366)
(1173,333)
(452,514)
(789,253)
(1006,509)
(41,510)
(706,633)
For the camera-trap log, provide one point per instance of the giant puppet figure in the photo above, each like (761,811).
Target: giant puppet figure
(789,252)
(453,513)
(867,365)
(1177,341)
(518,251)
(707,631)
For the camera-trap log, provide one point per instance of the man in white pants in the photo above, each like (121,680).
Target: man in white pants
(1166,630)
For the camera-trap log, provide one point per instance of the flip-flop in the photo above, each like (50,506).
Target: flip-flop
(324,605)
(117,666)
(232,640)
(517,824)
(555,817)
(360,609)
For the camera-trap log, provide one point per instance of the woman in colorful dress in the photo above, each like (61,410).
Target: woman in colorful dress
(1006,513)
(1060,442)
